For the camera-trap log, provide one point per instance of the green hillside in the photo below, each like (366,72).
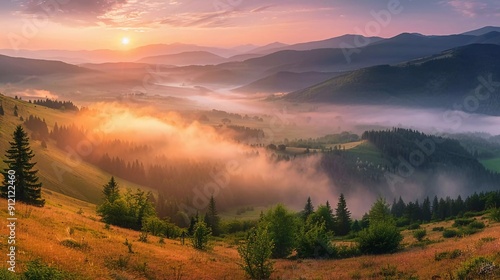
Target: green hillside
(435,81)
(58,170)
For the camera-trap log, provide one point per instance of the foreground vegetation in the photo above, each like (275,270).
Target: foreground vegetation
(68,238)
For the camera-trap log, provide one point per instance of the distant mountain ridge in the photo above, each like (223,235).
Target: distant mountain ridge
(437,80)
(14,68)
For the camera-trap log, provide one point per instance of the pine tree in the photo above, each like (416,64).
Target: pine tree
(212,218)
(308,209)
(15,111)
(19,156)
(1,110)
(343,217)
(111,191)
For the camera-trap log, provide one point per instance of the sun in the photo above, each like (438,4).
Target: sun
(125,41)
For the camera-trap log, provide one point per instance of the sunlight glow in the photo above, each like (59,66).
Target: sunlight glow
(125,41)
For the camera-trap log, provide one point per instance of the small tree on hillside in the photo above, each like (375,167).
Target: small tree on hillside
(111,191)
(343,217)
(212,218)
(256,253)
(308,209)
(19,157)
(382,236)
(282,226)
(2,113)
(380,212)
(201,236)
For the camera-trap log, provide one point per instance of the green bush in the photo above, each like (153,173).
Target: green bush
(315,242)
(414,226)
(478,268)
(477,225)
(36,270)
(256,253)
(448,255)
(495,214)
(201,236)
(437,228)
(419,234)
(462,222)
(379,238)
(283,229)
(449,233)
(5,274)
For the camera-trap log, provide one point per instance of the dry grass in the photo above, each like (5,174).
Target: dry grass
(42,232)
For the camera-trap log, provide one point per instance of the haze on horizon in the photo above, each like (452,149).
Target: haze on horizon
(47,24)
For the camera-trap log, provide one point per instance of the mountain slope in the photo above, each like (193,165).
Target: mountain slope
(59,170)
(16,68)
(285,82)
(482,31)
(185,58)
(438,80)
(344,41)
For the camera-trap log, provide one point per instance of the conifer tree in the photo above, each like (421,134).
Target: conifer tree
(343,217)
(111,191)
(1,110)
(19,155)
(212,218)
(308,209)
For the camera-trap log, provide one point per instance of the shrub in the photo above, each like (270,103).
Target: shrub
(419,234)
(449,233)
(201,236)
(462,222)
(256,253)
(495,214)
(448,255)
(5,274)
(380,238)
(315,242)
(71,243)
(437,228)
(477,225)
(282,226)
(478,268)
(414,226)
(36,270)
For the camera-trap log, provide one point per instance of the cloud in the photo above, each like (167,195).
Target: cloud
(155,13)
(73,12)
(475,8)
(36,93)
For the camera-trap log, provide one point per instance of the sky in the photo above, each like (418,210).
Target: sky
(102,24)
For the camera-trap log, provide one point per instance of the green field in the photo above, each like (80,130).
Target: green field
(492,164)
(368,152)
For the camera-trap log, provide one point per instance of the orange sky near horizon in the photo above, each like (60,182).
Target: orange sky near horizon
(93,24)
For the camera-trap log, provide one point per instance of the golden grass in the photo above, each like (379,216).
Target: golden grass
(42,234)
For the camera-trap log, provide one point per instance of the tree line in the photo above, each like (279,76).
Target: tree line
(55,104)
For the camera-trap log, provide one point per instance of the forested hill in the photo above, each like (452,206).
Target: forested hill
(410,151)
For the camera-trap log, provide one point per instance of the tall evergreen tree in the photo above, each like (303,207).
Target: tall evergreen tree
(1,110)
(15,111)
(426,210)
(380,212)
(308,209)
(212,218)
(19,156)
(343,217)
(111,191)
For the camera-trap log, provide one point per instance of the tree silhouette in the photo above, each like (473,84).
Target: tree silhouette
(212,218)
(19,155)
(308,209)
(343,221)
(111,191)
